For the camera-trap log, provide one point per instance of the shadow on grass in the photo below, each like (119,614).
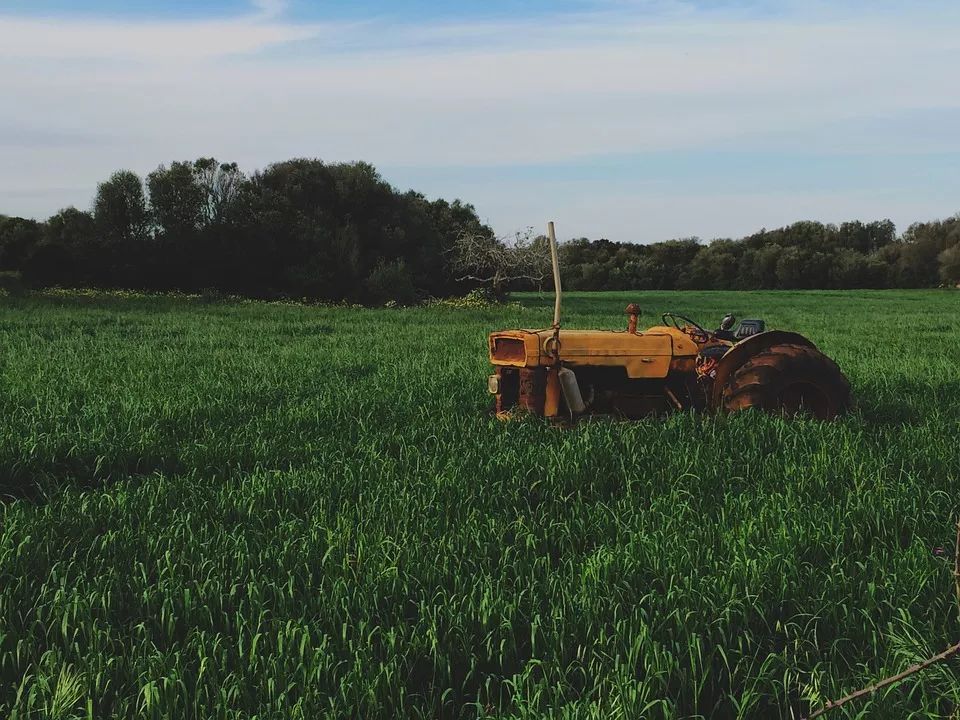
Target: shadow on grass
(908,402)
(219,442)
(40,482)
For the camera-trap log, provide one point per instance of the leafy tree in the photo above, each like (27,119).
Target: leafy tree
(297,242)
(850,270)
(920,248)
(177,208)
(340,232)
(715,266)
(790,268)
(444,222)
(18,238)
(120,209)
(866,238)
(764,266)
(949,261)
(177,200)
(69,252)
(122,221)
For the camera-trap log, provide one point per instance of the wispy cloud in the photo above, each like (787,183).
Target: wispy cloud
(270,9)
(70,39)
(614,79)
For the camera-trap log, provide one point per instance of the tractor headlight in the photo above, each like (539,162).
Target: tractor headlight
(493,384)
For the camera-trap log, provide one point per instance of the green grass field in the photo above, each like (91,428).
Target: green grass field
(239,510)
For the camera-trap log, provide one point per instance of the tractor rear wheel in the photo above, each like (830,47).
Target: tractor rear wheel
(790,380)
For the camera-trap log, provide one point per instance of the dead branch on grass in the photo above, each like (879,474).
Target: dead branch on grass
(913,669)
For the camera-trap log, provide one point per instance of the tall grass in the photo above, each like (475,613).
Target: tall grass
(238,510)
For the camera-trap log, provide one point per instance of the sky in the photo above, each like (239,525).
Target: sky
(634,120)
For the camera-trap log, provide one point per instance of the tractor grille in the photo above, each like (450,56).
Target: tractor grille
(508,349)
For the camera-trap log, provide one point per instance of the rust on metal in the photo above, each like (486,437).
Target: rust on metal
(508,386)
(743,351)
(551,405)
(508,349)
(532,390)
(633,311)
(685,365)
(663,368)
(707,367)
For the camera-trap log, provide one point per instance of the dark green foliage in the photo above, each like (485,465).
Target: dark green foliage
(804,255)
(300,228)
(922,245)
(303,228)
(176,199)
(120,210)
(123,227)
(950,265)
(308,229)
(391,281)
(11,283)
(70,252)
(237,510)
(18,238)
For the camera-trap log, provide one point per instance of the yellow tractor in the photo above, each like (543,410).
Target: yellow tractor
(676,365)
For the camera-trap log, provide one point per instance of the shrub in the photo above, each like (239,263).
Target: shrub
(11,283)
(391,282)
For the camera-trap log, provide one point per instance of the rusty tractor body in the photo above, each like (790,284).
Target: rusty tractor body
(677,365)
(666,367)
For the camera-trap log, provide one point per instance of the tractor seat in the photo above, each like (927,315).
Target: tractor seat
(749,328)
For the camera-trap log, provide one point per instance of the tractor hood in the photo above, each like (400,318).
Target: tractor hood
(646,354)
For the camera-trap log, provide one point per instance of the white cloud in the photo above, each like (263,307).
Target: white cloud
(261,87)
(74,39)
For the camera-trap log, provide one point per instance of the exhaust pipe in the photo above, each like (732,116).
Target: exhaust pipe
(571,391)
(551,233)
(568,379)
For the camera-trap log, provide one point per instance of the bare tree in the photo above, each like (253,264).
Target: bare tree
(498,261)
(220,183)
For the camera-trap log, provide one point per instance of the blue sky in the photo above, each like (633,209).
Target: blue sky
(637,120)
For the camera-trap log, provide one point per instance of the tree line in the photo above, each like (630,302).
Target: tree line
(338,232)
(804,255)
(301,228)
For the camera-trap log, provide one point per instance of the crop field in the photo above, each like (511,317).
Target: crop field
(218,509)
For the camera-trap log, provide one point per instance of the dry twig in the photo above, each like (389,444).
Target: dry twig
(913,669)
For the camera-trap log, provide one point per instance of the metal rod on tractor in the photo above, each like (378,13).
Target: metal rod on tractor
(560,380)
(551,233)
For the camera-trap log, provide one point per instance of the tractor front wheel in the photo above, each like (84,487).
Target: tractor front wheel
(789,380)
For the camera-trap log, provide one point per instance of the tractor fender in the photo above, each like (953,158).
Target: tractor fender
(743,351)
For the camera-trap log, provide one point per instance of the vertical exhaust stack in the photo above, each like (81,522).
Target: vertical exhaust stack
(552,235)
(565,377)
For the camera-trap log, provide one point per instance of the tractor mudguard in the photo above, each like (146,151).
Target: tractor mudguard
(743,351)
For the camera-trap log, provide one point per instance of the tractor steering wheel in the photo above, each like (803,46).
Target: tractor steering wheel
(691,328)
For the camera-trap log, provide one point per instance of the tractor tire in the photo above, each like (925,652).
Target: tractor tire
(789,380)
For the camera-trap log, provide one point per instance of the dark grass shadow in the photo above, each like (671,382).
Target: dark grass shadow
(178,449)
(38,482)
(910,404)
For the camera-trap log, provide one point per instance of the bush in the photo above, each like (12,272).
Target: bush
(11,284)
(478,298)
(391,282)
